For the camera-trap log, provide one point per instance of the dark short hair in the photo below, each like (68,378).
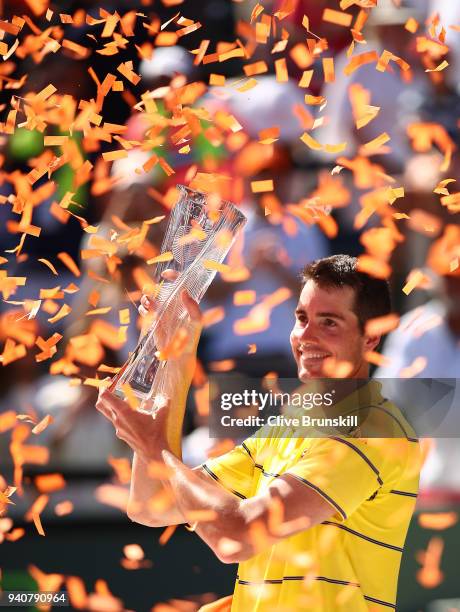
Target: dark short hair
(372,295)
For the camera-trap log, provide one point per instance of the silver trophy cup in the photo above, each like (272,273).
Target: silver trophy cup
(200,232)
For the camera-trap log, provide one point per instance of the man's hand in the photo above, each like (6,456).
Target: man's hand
(149,435)
(144,433)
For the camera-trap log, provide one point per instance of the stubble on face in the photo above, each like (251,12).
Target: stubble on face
(327,340)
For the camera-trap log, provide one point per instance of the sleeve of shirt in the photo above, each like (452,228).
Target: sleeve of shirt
(235,469)
(345,472)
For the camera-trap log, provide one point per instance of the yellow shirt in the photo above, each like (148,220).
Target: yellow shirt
(351,562)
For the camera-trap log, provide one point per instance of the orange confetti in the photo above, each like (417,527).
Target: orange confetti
(430,574)
(385,59)
(167,256)
(415,368)
(7,420)
(281,71)
(167,535)
(437,521)
(415,279)
(69,263)
(255,68)
(63,508)
(337,17)
(328,69)
(122,469)
(114,155)
(48,483)
(411,25)
(43,424)
(62,312)
(217,80)
(262,186)
(376,358)
(382,325)
(360,60)
(244,298)
(374,267)
(126,69)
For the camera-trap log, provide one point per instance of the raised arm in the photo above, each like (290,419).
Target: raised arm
(151,501)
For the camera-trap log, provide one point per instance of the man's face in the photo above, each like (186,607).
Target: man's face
(327,327)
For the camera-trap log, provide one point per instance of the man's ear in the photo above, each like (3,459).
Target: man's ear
(371,342)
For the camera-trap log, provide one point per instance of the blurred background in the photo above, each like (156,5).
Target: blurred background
(103,110)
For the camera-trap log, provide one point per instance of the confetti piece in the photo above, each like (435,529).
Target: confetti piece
(415,368)
(48,483)
(382,325)
(7,420)
(374,267)
(114,155)
(360,60)
(439,68)
(63,508)
(51,141)
(314,100)
(126,69)
(133,552)
(385,59)
(337,17)
(328,69)
(99,311)
(167,256)
(262,186)
(244,297)
(217,80)
(49,265)
(122,469)
(209,264)
(211,316)
(250,84)
(167,535)
(201,52)
(69,263)
(43,424)
(414,280)
(45,93)
(130,396)
(281,71)
(411,25)
(377,359)
(306,78)
(79,50)
(301,55)
(63,312)
(96,382)
(430,574)
(374,145)
(437,521)
(255,68)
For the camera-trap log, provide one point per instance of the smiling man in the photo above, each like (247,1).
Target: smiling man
(316,524)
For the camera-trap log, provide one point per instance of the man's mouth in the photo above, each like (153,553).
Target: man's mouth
(312,354)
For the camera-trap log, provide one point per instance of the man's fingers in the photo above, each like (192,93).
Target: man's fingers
(192,307)
(147,305)
(102,407)
(169,274)
(142,311)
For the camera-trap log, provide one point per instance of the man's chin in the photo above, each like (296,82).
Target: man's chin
(306,374)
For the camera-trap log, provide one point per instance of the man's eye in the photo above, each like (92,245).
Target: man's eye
(330,323)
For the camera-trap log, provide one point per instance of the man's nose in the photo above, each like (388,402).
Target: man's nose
(309,332)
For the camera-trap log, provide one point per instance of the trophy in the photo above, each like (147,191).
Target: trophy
(200,232)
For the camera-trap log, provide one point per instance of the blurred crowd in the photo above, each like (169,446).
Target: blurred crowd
(311,213)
